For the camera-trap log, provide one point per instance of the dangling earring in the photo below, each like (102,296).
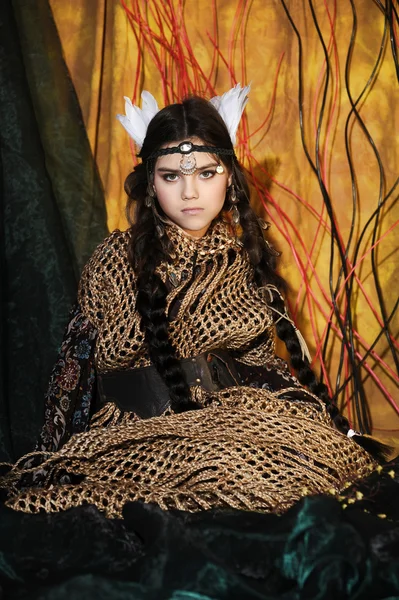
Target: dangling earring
(148,200)
(149,203)
(234,201)
(159,228)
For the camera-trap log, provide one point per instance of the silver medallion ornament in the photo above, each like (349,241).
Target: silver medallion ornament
(186,147)
(219,169)
(188,164)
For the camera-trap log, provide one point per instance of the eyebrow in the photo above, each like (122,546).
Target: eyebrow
(165,170)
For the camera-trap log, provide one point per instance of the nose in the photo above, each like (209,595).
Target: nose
(189,190)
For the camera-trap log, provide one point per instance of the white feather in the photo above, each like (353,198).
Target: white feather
(150,106)
(137,119)
(230,106)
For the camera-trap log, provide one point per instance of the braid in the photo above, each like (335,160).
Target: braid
(263,259)
(146,252)
(305,374)
(151,303)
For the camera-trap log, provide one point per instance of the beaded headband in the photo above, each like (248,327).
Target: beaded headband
(188,163)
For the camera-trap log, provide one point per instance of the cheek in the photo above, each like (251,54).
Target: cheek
(165,203)
(220,191)
(166,195)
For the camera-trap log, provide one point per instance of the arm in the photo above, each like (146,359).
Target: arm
(259,366)
(71,389)
(69,401)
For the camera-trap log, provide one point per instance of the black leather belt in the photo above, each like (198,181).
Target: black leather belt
(144,392)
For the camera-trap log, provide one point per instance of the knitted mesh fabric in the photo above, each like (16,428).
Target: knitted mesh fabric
(248,448)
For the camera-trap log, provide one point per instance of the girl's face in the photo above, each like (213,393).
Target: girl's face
(190,201)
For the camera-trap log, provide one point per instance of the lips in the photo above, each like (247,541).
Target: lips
(192,211)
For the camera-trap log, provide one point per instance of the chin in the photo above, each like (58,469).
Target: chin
(195,226)
(195,230)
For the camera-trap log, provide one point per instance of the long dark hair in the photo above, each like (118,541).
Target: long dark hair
(197,118)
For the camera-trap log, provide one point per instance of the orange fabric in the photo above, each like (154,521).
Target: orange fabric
(102,55)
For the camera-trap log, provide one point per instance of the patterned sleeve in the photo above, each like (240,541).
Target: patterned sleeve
(71,388)
(70,396)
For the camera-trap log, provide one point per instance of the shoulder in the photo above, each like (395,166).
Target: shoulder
(114,246)
(111,252)
(104,276)
(108,261)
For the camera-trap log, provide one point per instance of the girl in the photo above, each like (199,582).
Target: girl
(167,388)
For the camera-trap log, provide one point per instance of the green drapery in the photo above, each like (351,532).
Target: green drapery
(52,212)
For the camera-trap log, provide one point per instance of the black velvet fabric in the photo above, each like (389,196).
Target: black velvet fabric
(319,549)
(52,213)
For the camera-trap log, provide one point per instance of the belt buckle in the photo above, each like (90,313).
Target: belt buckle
(213,370)
(204,368)
(222,368)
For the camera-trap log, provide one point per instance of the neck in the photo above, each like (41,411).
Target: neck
(193,234)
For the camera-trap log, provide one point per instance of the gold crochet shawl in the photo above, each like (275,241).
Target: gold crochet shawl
(248,448)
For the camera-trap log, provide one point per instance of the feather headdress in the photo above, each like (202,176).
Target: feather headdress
(230,106)
(137,119)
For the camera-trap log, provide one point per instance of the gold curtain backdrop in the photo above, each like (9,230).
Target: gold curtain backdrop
(107,50)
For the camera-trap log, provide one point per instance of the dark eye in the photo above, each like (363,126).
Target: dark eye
(170,177)
(207,174)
